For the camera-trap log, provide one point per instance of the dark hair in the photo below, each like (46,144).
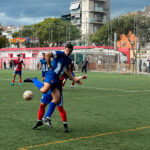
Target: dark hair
(43,53)
(18,55)
(70,46)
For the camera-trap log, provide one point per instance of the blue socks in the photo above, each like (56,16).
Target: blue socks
(37,83)
(52,105)
(50,109)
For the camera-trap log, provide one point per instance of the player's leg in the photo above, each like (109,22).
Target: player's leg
(43,87)
(62,112)
(46,98)
(43,76)
(56,98)
(72,84)
(50,80)
(64,82)
(63,116)
(85,69)
(13,80)
(82,69)
(20,78)
(40,116)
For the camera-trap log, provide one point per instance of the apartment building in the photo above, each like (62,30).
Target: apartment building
(90,15)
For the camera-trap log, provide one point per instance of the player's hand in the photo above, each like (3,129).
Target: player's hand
(78,82)
(84,77)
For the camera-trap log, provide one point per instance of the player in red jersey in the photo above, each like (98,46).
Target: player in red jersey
(65,77)
(17,69)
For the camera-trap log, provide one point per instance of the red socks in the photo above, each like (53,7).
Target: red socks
(73,83)
(62,113)
(60,109)
(41,111)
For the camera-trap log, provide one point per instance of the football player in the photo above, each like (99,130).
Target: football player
(43,66)
(18,69)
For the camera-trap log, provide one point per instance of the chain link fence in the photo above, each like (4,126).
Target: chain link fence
(109,61)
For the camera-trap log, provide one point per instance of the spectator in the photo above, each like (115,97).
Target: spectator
(148,66)
(144,67)
(11,64)
(85,63)
(5,65)
(140,65)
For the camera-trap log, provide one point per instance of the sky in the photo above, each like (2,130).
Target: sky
(27,12)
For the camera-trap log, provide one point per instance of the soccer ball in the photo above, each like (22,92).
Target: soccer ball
(28,95)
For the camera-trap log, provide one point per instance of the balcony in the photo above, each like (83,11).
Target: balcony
(97,9)
(76,21)
(96,20)
(76,11)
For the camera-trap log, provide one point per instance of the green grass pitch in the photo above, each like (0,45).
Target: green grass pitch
(107,112)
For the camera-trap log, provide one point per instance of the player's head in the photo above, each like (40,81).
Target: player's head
(68,49)
(43,55)
(18,56)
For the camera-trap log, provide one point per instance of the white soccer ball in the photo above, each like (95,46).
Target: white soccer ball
(28,95)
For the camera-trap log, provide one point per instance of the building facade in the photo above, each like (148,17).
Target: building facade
(90,15)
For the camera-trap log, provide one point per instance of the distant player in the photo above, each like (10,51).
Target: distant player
(43,66)
(17,69)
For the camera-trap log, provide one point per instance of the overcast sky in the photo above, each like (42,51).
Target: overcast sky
(26,12)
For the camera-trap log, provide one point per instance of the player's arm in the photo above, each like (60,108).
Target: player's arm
(75,79)
(39,68)
(48,59)
(24,66)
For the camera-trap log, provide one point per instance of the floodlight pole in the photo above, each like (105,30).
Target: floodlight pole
(115,48)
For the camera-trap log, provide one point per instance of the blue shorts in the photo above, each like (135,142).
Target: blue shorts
(46,98)
(52,79)
(43,73)
(18,72)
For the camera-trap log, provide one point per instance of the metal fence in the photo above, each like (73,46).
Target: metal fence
(97,62)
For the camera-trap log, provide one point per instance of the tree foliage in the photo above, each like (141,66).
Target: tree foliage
(51,30)
(138,24)
(4,42)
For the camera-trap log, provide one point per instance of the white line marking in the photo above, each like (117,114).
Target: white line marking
(7,79)
(117,90)
(104,89)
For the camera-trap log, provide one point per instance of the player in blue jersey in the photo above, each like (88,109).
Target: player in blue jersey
(58,67)
(43,66)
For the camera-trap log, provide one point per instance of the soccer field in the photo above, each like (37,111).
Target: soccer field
(108,112)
